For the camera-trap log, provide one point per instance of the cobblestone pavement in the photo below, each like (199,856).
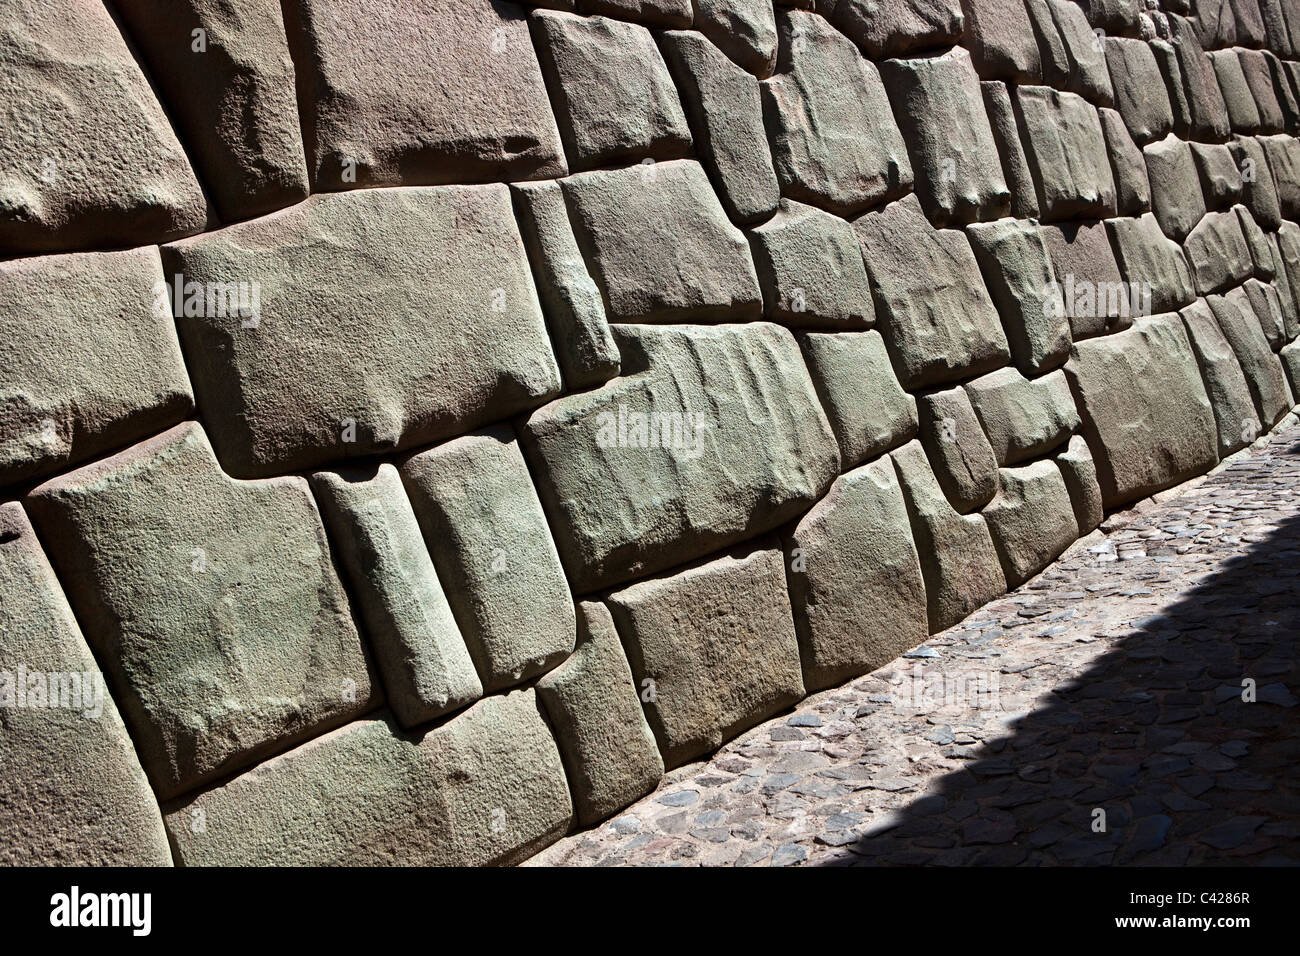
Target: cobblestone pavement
(1094,716)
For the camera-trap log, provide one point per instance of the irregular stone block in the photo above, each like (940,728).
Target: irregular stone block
(811,270)
(726,114)
(855,578)
(832,131)
(1215,23)
(608,748)
(1001,40)
(662,13)
(1243,113)
(1152,263)
(72,791)
(958,561)
(1286,256)
(1220,178)
(712,435)
(1018,272)
(91,362)
(232,97)
(717,641)
(1140,95)
(1023,417)
(938,319)
(1259,80)
(1274,19)
(486,787)
(1031,520)
(420,654)
(1235,416)
(614,100)
(1176,197)
(1217,253)
(1248,22)
(1054,57)
(744,30)
(1080,474)
(1207,112)
(954,158)
(90,157)
(1283,154)
(1261,252)
(1259,192)
(888,29)
(1280,73)
(1114,16)
(867,408)
(1015,167)
(224,630)
(660,246)
(1096,298)
(1127,164)
(1241,327)
(959,452)
(1067,152)
(485,529)
(1267,306)
(1145,412)
(1290,357)
(1089,75)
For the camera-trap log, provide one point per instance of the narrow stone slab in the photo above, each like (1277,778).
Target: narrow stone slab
(1053,56)
(72,792)
(1023,417)
(1243,113)
(1015,167)
(224,630)
(662,13)
(1234,410)
(1031,520)
(1176,197)
(1259,80)
(484,526)
(1113,16)
(420,654)
(1097,299)
(484,788)
(960,455)
(1259,191)
(1140,95)
(744,30)
(1089,75)
(1067,153)
(855,578)
(1153,262)
(1283,153)
(1264,374)
(1080,474)
(1132,186)
(1267,306)
(1208,117)
(1261,253)
(1290,357)
(1285,244)
(888,29)
(1217,253)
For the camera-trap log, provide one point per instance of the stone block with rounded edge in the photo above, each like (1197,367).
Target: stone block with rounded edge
(1152,263)
(1086,53)
(1264,374)
(1023,417)
(1235,416)
(1259,80)
(1140,94)
(659,13)
(1115,16)
(219,618)
(960,455)
(1067,153)
(1266,303)
(1080,474)
(888,29)
(1217,253)
(745,30)
(1290,357)
(1001,40)
(1261,252)
(1285,244)
(1220,178)
(1132,185)
(1097,299)
(1259,192)
(1243,112)
(1207,113)
(1015,167)
(1176,197)
(1283,153)
(1031,520)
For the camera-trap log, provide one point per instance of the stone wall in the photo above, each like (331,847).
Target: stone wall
(438,418)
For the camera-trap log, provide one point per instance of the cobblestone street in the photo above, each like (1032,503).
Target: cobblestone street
(1096,715)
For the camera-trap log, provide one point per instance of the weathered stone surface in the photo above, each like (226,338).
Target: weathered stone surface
(1267,306)
(888,29)
(1283,154)
(1127,164)
(718,641)
(958,560)
(726,114)
(1031,520)
(867,408)
(607,746)
(90,361)
(224,631)
(1145,412)
(937,318)
(1217,253)
(614,100)
(440,91)
(744,30)
(1115,16)
(855,578)
(1080,474)
(1286,256)
(1018,273)
(1243,113)
(663,13)
(1088,74)
(660,245)
(1176,197)
(960,455)
(353,351)
(712,435)
(1287,96)
(1095,296)
(1067,153)
(1001,40)
(484,527)
(1259,190)
(1290,357)
(1140,95)
(90,159)
(486,787)
(954,158)
(1241,327)
(1248,23)
(811,270)
(1153,262)
(1274,19)
(72,792)
(232,98)
(1023,417)
(1234,410)
(1215,23)
(1259,80)
(1261,252)
(1015,167)
(1220,178)
(834,140)
(570,299)
(1208,114)
(418,648)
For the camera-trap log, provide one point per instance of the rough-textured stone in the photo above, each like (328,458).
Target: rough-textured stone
(1145,412)
(1067,153)
(1286,257)
(1215,23)
(811,270)
(1031,520)
(867,408)
(1114,16)
(1053,55)
(1267,306)
(420,92)
(1283,154)
(1127,164)
(90,159)
(1080,474)
(1259,80)
(1208,114)
(1095,296)
(1088,74)
(1018,273)
(614,100)
(717,640)
(486,787)
(1001,40)
(712,435)
(1015,167)
(484,526)
(1274,19)
(1259,190)
(660,245)
(1023,417)
(90,361)
(223,628)
(1140,95)
(72,792)
(937,317)
(607,746)
(1234,410)
(745,30)
(1241,327)
(726,113)
(1288,97)
(958,560)
(1176,197)
(834,140)
(1217,253)
(1220,178)
(1290,357)
(662,13)
(1261,252)
(960,455)
(1243,113)
(855,578)
(418,648)
(888,29)
(232,97)
(1153,262)
(954,157)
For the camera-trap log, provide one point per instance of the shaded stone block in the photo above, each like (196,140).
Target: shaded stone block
(660,13)
(1207,113)
(1015,167)
(1259,192)
(888,29)
(1285,244)
(744,30)
(1261,252)
(1290,357)
(1031,520)
(1127,164)
(1023,417)
(1001,40)
(1067,153)
(1217,253)
(1151,262)
(1140,95)
(1220,178)
(1089,75)
(1263,370)
(1243,113)
(1259,81)
(1114,16)
(959,452)
(1080,474)
(1283,154)
(1176,197)
(1097,300)
(1267,306)
(1237,421)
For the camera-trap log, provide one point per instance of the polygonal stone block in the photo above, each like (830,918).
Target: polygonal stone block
(1140,95)
(1235,416)
(1023,417)
(1031,520)
(960,455)
(1067,153)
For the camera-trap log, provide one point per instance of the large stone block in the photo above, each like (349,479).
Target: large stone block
(1264,374)
(1176,197)
(1217,253)
(1267,306)
(888,29)
(1031,520)
(1115,16)
(960,455)
(1067,153)
(717,642)
(1235,416)
(1023,417)
(1243,112)
(855,578)
(712,435)
(1152,263)
(1220,178)
(1283,153)
(1001,40)
(1096,298)
(219,618)
(1259,191)
(1207,113)
(1015,167)
(660,13)
(744,30)
(1261,253)
(1285,245)
(1089,75)
(1259,80)
(484,788)
(1127,164)
(72,792)
(1290,357)
(1140,95)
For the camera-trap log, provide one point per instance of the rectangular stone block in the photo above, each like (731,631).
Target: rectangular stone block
(1235,416)
(1067,153)
(1031,520)
(1023,417)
